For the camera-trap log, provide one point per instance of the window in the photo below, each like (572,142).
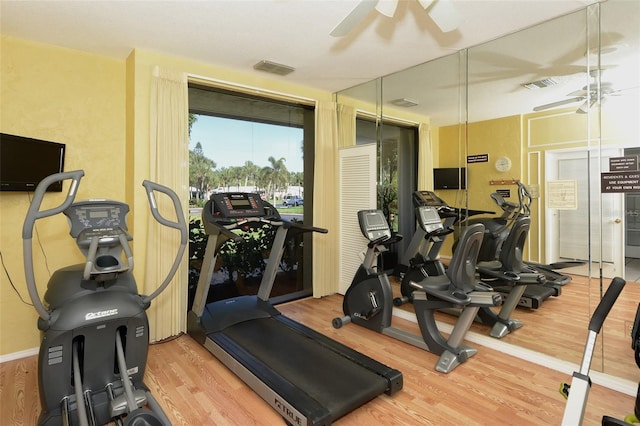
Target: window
(397,178)
(244,143)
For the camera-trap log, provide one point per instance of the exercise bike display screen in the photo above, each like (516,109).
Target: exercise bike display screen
(429,215)
(429,219)
(373,224)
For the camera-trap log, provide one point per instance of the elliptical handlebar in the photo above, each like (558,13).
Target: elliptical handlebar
(34,213)
(180,224)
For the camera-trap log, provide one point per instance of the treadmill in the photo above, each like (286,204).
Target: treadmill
(308,378)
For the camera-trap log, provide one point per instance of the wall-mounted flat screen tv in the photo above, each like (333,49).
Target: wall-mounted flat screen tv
(24,162)
(450,178)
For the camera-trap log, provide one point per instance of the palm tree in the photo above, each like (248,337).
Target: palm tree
(226,177)
(201,174)
(250,172)
(276,175)
(236,173)
(296,179)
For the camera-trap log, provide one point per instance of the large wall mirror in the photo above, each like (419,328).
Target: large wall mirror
(558,101)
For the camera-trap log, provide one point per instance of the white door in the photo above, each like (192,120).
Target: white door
(357,192)
(594,230)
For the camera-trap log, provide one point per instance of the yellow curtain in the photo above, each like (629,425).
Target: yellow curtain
(346,126)
(169,166)
(425,158)
(325,215)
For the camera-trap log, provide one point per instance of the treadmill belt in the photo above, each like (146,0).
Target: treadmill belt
(335,382)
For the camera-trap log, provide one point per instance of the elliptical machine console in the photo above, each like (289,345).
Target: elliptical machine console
(95,329)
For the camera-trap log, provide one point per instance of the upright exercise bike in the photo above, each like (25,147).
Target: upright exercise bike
(95,332)
(369,299)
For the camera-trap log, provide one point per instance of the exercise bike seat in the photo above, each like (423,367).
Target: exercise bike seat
(459,281)
(440,287)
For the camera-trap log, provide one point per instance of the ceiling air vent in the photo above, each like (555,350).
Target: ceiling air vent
(540,84)
(404,102)
(273,68)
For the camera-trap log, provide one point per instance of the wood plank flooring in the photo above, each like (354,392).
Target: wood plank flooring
(196,389)
(559,327)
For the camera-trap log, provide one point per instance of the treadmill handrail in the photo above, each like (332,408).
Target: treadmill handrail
(275,223)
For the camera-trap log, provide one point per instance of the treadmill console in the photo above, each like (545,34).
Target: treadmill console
(427,198)
(374,225)
(237,205)
(429,219)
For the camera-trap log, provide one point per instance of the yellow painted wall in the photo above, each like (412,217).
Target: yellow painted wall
(99,107)
(526,140)
(565,130)
(65,96)
(498,137)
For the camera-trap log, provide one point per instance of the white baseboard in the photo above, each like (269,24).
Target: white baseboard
(17,355)
(617,384)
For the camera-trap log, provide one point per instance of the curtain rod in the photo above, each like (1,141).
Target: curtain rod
(249,89)
(389,118)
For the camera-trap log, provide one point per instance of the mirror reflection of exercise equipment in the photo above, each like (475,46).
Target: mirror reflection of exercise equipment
(368,301)
(305,376)
(521,283)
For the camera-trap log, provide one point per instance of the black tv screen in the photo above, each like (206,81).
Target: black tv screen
(450,178)
(24,162)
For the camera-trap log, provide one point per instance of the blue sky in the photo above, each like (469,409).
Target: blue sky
(232,142)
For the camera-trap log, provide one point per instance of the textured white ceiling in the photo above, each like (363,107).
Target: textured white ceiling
(236,34)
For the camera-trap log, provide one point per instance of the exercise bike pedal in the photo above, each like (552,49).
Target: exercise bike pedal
(367,315)
(372,313)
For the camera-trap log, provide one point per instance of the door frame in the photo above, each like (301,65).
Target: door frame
(552,240)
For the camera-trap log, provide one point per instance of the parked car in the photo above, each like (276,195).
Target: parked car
(292,200)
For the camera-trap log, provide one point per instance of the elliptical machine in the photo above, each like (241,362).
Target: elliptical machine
(369,299)
(497,230)
(94,326)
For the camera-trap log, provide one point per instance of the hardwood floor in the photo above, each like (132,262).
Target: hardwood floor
(196,389)
(559,327)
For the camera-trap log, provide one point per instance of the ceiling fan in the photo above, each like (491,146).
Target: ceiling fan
(588,95)
(442,12)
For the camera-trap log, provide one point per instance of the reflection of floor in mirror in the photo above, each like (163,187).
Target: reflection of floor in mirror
(608,270)
(559,327)
(632,269)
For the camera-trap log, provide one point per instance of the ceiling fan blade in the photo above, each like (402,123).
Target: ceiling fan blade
(558,103)
(387,7)
(353,18)
(584,108)
(445,15)
(583,93)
